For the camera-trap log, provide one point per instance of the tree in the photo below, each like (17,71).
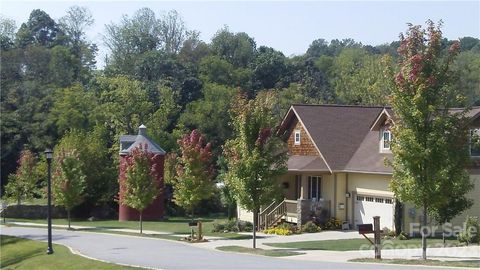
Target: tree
(140,186)
(68,180)
(125,103)
(95,162)
(41,30)
(193,181)
(430,141)
(74,108)
(268,67)
(237,48)
(74,25)
(23,184)
(359,77)
(256,156)
(7,33)
(208,114)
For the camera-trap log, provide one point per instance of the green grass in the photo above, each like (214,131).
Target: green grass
(466,263)
(19,253)
(174,225)
(259,251)
(357,244)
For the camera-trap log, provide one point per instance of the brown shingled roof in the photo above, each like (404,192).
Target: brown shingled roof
(337,130)
(343,136)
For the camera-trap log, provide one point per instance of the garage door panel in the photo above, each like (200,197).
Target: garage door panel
(367,206)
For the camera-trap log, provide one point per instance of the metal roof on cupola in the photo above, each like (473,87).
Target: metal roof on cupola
(130,142)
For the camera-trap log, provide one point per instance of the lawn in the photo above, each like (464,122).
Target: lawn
(358,244)
(174,225)
(19,253)
(259,251)
(467,263)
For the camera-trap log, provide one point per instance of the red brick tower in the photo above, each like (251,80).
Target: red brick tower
(154,211)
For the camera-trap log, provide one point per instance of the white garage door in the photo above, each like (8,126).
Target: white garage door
(368,206)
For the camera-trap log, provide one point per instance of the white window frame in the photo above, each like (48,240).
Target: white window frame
(296,142)
(318,191)
(477,131)
(389,139)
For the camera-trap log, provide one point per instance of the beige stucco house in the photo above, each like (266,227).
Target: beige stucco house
(336,168)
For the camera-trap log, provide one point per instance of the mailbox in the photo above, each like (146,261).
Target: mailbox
(193,224)
(365,228)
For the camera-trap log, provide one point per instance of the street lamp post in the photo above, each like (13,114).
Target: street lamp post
(49,156)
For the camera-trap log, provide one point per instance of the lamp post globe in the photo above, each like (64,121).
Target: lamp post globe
(49,157)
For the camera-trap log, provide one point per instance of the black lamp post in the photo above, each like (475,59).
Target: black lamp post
(49,156)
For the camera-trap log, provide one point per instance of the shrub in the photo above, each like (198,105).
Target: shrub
(403,236)
(387,233)
(310,227)
(218,227)
(232,226)
(288,226)
(333,224)
(278,231)
(245,226)
(471,234)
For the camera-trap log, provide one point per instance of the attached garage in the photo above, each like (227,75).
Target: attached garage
(369,203)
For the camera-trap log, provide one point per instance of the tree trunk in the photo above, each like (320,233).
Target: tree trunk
(398,217)
(443,233)
(141,224)
(68,217)
(424,233)
(255,221)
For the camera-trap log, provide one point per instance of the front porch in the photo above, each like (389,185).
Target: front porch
(305,198)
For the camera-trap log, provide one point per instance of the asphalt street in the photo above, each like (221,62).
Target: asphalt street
(171,255)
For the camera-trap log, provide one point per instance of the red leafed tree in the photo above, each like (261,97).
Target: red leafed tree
(194,174)
(430,145)
(140,186)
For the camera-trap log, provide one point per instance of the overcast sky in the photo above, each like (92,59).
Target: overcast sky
(286,26)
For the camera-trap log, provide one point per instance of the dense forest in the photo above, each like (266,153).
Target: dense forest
(159,73)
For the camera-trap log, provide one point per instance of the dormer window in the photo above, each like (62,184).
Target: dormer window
(475,142)
(297,137)
(386,139)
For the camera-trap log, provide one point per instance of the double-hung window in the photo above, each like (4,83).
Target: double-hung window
(386,139)
(297,137)
(314,187)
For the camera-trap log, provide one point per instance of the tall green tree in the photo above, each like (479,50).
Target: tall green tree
(360,78)
(68,180)
(256,156)
(430,141)
(23,184)
(208,114)
(95,162)
(125,104)
(193,181)
(140,186)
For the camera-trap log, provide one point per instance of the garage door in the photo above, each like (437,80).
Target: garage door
(368,206)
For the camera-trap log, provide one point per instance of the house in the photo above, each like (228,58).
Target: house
(336,167)
(155,211)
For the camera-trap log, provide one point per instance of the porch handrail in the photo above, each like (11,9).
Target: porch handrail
(278,212)
(262,216)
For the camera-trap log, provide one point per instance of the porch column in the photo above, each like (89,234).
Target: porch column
(304,185)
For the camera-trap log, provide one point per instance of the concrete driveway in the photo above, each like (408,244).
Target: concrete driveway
(164,254)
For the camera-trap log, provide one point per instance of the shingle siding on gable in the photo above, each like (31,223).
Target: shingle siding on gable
(306,147)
